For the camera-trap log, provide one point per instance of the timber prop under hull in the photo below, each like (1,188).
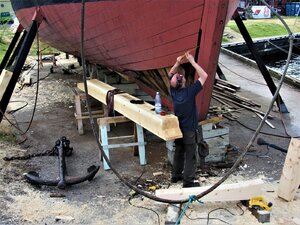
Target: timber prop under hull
(139,38)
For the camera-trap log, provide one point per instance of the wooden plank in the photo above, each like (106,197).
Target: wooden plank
(115,119)
(165,127)
(266,121)
(215,119)
(215,132)
(226,88)
(241,105)
(77,117)
(290,177)
(228,83)
(226,192)
(4,81)
(94,112)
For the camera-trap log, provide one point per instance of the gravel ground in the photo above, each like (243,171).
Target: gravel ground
(105,200)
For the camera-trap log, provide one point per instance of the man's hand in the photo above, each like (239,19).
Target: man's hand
(180,59)
(189,57)
(202,74)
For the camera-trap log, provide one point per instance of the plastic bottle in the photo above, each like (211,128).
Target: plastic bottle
(157,103)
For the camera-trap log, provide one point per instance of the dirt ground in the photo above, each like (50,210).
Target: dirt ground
(105,200)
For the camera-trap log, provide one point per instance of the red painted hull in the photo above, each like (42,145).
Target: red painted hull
(139,35)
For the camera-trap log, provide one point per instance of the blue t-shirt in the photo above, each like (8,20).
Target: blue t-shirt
(185,106)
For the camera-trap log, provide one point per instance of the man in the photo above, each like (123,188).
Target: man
(183,97)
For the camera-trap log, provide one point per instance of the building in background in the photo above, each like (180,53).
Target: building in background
(278,5)
(6,12)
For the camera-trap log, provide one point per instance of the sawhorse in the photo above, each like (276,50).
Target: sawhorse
(103,122)
(80,116)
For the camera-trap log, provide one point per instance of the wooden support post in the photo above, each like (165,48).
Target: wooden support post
(141,144)
(54,61)
(41,59)
(103,122)
(78,114)
(290,177)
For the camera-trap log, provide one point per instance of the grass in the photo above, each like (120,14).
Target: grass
(6,36)
(259,28)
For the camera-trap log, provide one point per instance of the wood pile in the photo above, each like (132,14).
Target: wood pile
(232,103)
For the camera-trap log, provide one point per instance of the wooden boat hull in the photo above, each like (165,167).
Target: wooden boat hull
(139,38)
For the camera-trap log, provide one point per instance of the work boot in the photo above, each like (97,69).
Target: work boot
(175,179)
(188,184)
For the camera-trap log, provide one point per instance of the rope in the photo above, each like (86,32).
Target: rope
(110,101)
(191,199)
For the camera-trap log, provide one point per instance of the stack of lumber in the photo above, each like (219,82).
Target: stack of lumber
(225,93)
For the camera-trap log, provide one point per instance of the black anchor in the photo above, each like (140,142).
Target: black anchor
(62,149)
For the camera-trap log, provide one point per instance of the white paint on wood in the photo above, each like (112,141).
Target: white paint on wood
(226,192)
(4,81)
(290,177)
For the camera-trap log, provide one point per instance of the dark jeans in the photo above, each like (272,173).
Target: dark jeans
(184,157)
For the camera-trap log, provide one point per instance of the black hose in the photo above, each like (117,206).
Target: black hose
(228,173)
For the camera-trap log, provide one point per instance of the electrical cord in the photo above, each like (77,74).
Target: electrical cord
(142,207)
(31,68)
(241,75)
(15,110)
(213,218)
(261,132)
(235,165)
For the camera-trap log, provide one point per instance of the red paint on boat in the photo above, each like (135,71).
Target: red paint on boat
(139,35)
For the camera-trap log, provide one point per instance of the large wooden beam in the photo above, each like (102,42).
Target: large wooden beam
(165,127)
(290,177)
(225,192)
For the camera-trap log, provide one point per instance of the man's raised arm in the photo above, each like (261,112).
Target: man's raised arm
(202,74)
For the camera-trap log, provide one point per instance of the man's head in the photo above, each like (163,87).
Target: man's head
(178,80)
